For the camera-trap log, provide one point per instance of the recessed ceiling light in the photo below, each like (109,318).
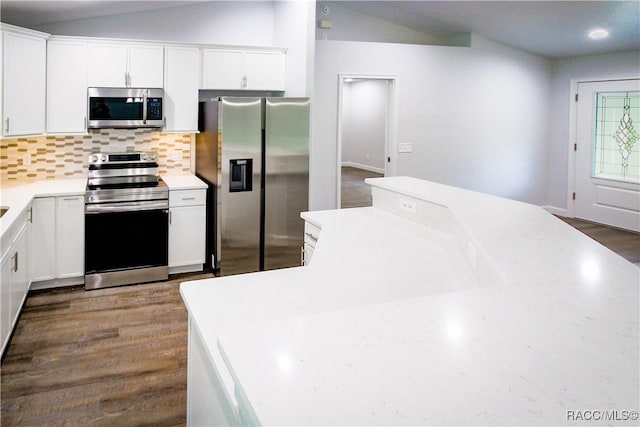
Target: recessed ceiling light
(598,34)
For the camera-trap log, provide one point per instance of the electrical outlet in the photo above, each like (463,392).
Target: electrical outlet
(408,205)
(367,156)
(405,147)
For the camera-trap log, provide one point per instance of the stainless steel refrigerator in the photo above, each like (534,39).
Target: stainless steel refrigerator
(253,153)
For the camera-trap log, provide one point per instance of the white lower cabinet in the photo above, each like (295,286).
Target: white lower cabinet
(14,280)
(57,250)
(43,234)
(311,234)
(70,236)
(187,222)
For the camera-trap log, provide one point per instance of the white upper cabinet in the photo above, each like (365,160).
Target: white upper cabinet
(107,66)
(243,69)
(181,77)
(146,66)
(265,70)
(125,65)
(23,82)
(66,86)
(222,69)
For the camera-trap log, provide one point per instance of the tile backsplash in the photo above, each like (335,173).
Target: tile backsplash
(66,156)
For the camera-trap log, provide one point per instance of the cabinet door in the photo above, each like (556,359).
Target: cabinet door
(66,87)
(43,266)
(222,69)
(70,236)
(24,81)
(265,70)
(6,278)
(106,65)
(181,76)
(186,235)
(145,66)
(20,279)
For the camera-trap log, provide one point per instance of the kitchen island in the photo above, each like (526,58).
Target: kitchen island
(436,306)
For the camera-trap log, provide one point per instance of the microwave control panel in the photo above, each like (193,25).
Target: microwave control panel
(154,108)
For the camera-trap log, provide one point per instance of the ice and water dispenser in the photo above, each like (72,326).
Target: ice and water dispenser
(240,175)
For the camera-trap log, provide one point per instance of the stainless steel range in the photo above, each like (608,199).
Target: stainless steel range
(126,220)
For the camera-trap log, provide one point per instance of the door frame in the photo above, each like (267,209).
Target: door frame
(573,134)
(390,167)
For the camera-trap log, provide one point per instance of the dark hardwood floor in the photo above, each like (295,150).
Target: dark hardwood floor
(106,357)
(624,243)
(354,192)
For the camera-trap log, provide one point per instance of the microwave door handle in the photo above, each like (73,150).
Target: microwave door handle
(144,107)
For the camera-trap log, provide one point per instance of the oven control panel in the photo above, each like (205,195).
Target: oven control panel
(135,157)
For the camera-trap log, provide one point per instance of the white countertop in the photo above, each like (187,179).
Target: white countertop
(391,325)
(183,182)
(17,196)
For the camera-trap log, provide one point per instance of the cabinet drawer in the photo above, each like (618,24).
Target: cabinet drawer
(311,234)
(187,197)
(308,253)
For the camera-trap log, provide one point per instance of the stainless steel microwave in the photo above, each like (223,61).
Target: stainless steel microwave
(125,108)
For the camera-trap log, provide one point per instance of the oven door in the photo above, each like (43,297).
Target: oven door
(125,247)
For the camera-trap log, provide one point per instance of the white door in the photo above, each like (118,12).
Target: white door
(107,66)
(181,82)
(146,65)
(70,236)
(66,87)
(608,153)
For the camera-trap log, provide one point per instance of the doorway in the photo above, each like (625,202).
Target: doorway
(607,153)
(366,129)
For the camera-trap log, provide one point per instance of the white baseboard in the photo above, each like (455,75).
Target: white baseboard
(56,283)
(363,167)
(185,269)
(556,211)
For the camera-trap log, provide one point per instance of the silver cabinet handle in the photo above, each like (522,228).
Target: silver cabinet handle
(243,82)
(311,236)
(170,212)
(15,262)
(188,198)
(6,125)
(301,255)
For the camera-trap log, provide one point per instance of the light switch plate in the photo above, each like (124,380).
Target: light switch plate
(405,147)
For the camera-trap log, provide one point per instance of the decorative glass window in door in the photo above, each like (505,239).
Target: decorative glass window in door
(617,136)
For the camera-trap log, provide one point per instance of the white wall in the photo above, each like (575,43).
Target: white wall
(477,117)
(354,26)
(364,114)
(597,67)
(293,28)
(224,22)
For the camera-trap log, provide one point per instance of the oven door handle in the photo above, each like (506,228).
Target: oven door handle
(98,208)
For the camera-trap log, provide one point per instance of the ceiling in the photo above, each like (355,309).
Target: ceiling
(553,29)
